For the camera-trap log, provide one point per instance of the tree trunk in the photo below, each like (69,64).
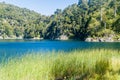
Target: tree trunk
(105,25)
(115,8)
(101,15)
(101,11)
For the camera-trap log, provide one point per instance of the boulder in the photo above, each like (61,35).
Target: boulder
(1,37)
(89,39)
(109,39)
(63,37)
(119,39)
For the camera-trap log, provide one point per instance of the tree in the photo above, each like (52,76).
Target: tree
(117,26)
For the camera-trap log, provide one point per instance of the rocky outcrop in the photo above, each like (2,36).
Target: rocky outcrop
(11,37)
(119,39)
(104,39)
(88,39)
(1,37)
(62,37)
(20,37)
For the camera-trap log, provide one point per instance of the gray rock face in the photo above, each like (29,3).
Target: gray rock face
(1,37)
(63,37)
(12,37)
(88,39)
(104,39)
(119,39)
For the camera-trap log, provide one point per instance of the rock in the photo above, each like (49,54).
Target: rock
(109,39)
(9,37)
(88,39)
(1,37)
(119,39)
(101,40)
(20,37)
(95,40)
(36,38)
(63,37)
(91,40)
(13,37)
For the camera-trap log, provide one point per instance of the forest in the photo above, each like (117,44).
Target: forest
(79,21)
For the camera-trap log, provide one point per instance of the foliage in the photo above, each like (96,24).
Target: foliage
(88,18)
(15,21)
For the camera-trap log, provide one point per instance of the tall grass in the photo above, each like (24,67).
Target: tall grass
(75,65)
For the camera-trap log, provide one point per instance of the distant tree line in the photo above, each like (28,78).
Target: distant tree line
(88,18)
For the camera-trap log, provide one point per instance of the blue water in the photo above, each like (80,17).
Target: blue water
(10,48)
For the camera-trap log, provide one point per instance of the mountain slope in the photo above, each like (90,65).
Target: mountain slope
(14,20)
(96,19)
(88,18)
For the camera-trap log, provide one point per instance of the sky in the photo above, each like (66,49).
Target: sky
(45,7)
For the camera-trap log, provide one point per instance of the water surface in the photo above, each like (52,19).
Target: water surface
(10,48)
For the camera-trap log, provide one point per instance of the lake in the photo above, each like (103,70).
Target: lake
(11,48)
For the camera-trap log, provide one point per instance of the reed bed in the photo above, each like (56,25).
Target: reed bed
(98,64)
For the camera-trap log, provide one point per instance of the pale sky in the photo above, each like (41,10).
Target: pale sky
(45,7)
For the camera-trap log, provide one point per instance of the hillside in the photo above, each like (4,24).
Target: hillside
(97,20)
(88,19)
(19,22)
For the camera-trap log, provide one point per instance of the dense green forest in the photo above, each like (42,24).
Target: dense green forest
(86,19)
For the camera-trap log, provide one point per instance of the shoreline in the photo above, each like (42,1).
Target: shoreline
(58,40)
(88,39)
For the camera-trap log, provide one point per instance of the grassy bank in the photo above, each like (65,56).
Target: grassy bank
(75,65)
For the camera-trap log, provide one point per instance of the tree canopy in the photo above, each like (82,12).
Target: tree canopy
(88,18)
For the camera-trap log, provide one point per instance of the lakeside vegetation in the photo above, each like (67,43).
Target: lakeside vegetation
(87,18)
(91,64)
